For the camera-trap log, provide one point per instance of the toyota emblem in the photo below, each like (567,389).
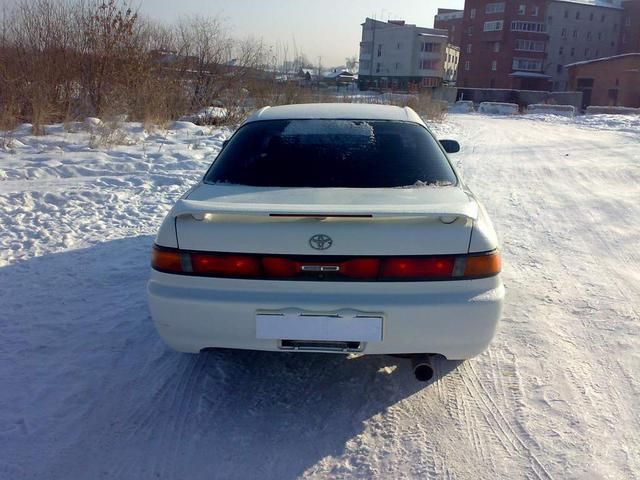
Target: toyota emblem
(320,242)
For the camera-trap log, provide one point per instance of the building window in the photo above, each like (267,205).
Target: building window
(564,33)
(469,46)
(578,15)
(534,11)
(496,47)
(575,34)
(530,45)
(453,28)
(380,50)
(561,51)
(378,67)
(566,14)
(591,17)
(627,22)
(624,38)
(470,31)
(529,64)
(397,67)
(429,47)
(472,13)
(467,65)
(494,65)
(573,51)
(597,53)
(528,27)
(599,35)
(428,64)
(494,26)
(559,69)
(615,27)
(398,46)
(603,17)
(586,52)
(588,35)
(522,10)
(494,7)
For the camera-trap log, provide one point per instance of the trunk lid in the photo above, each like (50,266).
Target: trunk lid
(377,221)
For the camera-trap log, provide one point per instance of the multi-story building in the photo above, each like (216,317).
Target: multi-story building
(451,21)
(451,59)
(524,44)
(399,56)
(579,31)
(630,32)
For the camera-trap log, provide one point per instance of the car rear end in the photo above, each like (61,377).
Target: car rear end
(291,244)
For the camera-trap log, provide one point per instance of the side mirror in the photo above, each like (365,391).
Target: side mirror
(450,146)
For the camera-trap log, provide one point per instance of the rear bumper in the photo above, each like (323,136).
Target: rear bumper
(457,319)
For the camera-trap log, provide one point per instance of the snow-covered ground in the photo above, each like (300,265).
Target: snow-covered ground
(89,391)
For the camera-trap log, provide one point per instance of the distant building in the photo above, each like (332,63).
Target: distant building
(395,55)
(630,32)
(612,81)
(579,31)
(525,44)
(451,59)
(451,21)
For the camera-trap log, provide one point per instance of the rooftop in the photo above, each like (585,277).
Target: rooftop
(603,59)
(351,111)
(595,3)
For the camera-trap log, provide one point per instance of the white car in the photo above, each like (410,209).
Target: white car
(329,228)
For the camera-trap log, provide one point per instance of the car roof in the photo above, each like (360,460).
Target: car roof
(351,111)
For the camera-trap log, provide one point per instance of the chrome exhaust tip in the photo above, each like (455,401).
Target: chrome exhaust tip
(422,368)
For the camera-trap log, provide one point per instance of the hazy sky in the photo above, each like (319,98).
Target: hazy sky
(327,28)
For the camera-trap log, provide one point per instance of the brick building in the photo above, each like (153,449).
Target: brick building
(451,21)
(612,81)
(503,45)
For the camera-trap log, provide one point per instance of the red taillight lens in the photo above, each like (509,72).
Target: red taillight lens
(362,268)
(483,265)
(227,265)
(166,260)
(280,267)
(436,267)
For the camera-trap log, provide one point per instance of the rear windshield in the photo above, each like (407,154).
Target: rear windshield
(332,153)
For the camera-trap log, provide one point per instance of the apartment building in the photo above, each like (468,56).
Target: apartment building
(577,32)
(451,21)
(524,44)
(399,56)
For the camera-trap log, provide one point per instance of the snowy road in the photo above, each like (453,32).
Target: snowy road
(89,391)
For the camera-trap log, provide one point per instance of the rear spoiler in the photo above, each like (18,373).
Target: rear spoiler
(198,210)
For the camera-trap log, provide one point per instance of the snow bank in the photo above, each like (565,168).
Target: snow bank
(541,108)
(498,108)
(462,106)
(594,110)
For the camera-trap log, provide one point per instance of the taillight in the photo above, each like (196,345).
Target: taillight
(482,265)
(256,266)
(166,260)
(431,267)
(226,265)
(280,267)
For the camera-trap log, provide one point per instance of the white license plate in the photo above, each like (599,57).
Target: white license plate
(293,324)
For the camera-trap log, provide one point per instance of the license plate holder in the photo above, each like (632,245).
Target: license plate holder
(296,324)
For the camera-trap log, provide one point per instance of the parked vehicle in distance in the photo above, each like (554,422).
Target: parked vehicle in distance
(329,228)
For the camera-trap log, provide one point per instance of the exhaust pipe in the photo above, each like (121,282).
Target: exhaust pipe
(422,368)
